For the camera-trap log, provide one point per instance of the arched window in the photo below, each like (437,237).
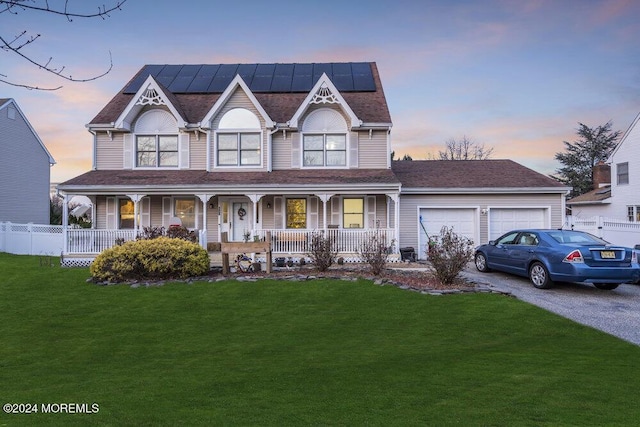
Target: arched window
(324,139)
(156,139)
(239,139)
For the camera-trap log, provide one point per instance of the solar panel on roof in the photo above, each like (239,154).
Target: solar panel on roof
(213,78)
(223,77)
(184,78)
(146,71)
(202,80)
(168,74)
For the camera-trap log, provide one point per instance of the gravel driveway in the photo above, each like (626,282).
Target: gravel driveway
(616,312)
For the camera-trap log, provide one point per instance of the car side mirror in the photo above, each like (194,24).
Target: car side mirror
(492,242)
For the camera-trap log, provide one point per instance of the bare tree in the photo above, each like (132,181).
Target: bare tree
(18,44)
(464,149)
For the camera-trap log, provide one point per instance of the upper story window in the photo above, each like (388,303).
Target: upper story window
(156,141)
(239,139)
(622,173)
(157,150)
(324,150)
(324,139)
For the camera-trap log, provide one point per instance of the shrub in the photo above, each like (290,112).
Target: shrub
(375,251)
(159,258)
(175,232)
(322,250)
(449,254)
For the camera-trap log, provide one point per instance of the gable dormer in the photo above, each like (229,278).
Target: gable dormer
(150,94)
(325,93)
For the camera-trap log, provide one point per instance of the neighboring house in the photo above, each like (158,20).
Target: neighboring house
(25,168)
(619,196)
(284,148)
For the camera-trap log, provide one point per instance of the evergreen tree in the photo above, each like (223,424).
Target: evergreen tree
(592,146)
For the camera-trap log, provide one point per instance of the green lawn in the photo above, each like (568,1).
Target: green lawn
(323,352)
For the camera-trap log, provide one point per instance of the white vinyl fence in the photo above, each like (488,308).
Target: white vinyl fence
(31,239)
(617,231)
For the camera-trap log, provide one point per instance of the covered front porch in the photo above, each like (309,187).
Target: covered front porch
(349,219)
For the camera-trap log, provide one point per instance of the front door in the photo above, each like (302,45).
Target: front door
(240,223)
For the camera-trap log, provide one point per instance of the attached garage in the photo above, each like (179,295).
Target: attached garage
(502,220)
(431,220)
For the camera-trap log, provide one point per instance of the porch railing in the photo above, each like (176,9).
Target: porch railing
(346,240)
(89,241)
(92,241)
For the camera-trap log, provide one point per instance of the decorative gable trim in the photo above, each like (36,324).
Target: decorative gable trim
(150,93)
(237,82)
(324,92)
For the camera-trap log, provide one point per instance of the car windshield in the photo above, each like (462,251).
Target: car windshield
(568,236)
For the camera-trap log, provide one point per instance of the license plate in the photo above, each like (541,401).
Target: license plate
(607,254)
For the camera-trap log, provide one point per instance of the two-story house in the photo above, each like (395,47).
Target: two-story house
(616,192)
(285,148)
(25,160)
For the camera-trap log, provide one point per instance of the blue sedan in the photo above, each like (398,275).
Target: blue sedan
(545,256)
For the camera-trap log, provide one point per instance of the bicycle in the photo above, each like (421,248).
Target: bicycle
(244,264)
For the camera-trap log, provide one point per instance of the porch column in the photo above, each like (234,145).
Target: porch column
(325,198)
(65,223)
(135,198)
(204,198)
(396,223)
(255,198)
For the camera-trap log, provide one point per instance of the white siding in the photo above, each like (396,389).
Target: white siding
(627,194)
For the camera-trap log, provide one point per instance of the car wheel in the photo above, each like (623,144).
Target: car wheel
(606,286)
(481,262)
(539,276)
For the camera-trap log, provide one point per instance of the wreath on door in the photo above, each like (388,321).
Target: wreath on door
(241,213)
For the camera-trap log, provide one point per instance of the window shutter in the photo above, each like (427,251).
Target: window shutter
(111,213)
(184,143)
(371,211)
(295,150)
(201,206)
(353,150)
(166,211)
(313,213)
(127,160)
(335,211)
(278,220)
(145,212)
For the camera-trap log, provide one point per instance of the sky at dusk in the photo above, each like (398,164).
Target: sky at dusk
(517,75)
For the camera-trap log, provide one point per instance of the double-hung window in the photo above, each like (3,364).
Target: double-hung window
(239,149)
(324,150)
(353,213)
(633,213)
(622,173)
(296,213)
(157,151)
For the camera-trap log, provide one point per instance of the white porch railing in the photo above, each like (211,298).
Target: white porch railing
(346,240)
(89,241)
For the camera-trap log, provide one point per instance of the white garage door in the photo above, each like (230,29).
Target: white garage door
(504,220)
(463,221)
